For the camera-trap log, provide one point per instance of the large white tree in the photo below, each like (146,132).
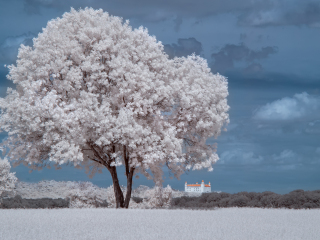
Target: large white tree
(94,92)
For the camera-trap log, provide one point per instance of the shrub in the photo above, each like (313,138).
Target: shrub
(7,179)
(86,195)
(270,200)
(238,201)
(294,199)
(18,202)
(158,197)
(224,202)
(214,197)
(255,203)
(313,197)
(137,199)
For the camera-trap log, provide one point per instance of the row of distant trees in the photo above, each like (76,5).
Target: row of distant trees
(86,195)
(298,199)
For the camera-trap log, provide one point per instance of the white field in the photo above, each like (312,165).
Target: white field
(228,223)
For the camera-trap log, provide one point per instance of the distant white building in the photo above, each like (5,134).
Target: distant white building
(200,188)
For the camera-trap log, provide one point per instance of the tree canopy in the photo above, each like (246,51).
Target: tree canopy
(94,92)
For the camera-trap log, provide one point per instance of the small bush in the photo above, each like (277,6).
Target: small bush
(270,200)
(224,202)
(18,202)
(239,201)
(7,178)
(255,203)
(86,195)
(137,199)
(214,197)
(158,197)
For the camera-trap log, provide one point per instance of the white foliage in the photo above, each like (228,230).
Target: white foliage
(7,178)
(90,78)
(86,195)
(158,197)
(54,189)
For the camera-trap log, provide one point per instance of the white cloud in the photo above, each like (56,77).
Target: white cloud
(313,127)
(239,156)
(299,106)
(232,126)
(285,156)
(285,160)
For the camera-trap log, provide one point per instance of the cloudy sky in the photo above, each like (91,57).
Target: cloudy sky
(268,49)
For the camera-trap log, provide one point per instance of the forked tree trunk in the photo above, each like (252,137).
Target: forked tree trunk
(98,153)
(129,188)
(120,202)
(116,187)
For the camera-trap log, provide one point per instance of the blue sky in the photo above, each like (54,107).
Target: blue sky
(268,49)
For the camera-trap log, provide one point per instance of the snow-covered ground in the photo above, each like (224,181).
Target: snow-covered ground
(227,223)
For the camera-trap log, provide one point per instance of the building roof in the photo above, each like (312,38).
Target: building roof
(197,185)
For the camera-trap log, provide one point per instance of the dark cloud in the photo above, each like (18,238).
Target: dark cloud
(184,8)
(284,13)
(253,68)
(243,36)
(240,155)
(253,13)
(9,48)
(185,47)
(33,6)
(255,77)
(178,22)
(227,56)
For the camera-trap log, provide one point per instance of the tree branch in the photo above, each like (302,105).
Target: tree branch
(126,160)
(97,154)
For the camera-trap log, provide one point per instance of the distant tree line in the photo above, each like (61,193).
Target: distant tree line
(298,199)
(19,202)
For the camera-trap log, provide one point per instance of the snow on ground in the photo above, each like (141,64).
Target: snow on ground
(227,223)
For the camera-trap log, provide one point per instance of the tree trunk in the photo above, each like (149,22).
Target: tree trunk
(129,174)
(129,188)
(98,153)
(116,187)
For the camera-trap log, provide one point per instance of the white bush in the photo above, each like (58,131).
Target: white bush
(85,195)
(7,179)
(158,197)
(88,195)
